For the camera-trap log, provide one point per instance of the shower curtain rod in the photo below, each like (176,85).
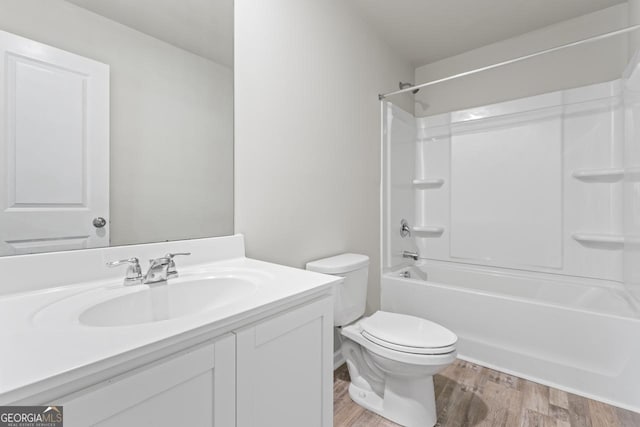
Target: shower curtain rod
(511,61)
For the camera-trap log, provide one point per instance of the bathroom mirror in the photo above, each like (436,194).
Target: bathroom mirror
(116,122)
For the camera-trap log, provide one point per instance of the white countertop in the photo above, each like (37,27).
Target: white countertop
(43,341)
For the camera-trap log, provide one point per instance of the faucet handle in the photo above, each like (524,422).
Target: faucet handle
(171,271)
(405,230)
(170,255)
(132,261)
(134,272)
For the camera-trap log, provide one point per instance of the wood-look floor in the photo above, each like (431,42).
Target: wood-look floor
(471,395)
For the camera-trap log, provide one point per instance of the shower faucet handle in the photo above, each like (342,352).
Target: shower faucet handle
(405,230)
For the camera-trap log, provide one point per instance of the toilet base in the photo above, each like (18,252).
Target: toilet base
(366,398)
(395,385)
(416,410)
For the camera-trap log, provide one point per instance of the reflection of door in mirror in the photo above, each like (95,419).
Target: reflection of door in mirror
(54,143)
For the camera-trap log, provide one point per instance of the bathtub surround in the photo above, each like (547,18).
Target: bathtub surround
(524,213)
(532,184)
(307,153)
(631,188)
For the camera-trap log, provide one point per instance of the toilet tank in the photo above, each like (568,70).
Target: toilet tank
(351,294)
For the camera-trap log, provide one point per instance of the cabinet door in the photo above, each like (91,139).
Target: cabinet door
(195,388)
(284,369)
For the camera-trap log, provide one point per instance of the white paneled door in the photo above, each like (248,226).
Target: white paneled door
(54,149)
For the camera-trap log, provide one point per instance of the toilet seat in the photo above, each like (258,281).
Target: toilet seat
(405,349)
(354,333)
(408,334)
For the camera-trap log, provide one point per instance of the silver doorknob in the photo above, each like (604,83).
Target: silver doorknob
(99,222)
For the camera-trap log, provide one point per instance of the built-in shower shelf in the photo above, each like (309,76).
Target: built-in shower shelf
(616,239)
(428,182)
(633,173)
(599,175)
(428,229)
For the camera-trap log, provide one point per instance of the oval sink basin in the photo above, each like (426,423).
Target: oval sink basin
(167,301)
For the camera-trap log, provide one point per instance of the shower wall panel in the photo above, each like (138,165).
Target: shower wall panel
(533,184)
(632,179)
(399,148)
(506,198)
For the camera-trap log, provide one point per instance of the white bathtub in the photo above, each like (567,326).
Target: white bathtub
(585,338)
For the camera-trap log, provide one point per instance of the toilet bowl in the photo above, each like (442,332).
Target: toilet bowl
(395,378)
(391,357)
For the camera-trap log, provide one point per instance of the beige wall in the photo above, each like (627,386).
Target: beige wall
(634,19)
(576,66)
(307,168)
(171,122)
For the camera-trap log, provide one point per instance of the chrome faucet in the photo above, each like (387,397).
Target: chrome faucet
(162,269)
(171,270)
(134,272)
(413,255)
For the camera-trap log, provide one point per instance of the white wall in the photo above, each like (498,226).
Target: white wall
(307,121)
(573,67)
(171,122)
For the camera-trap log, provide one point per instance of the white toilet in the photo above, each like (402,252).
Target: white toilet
(391,357)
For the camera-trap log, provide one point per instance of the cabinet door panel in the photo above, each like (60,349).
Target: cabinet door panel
(224,385)
(183,389)
(284,368)
(186,404)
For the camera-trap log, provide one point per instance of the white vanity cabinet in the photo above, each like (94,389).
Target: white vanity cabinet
(246,343)
(195,387)
(276,371)
(284,369)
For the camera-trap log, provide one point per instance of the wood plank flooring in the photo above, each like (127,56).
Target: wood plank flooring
(471,395)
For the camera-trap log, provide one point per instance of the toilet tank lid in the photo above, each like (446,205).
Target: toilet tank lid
(339,264)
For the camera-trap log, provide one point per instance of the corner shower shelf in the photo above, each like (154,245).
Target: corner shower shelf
(616,239)
(428,229)
(428,183)
(633,173)
(599,175)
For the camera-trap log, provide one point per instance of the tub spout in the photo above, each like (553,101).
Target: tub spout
(413,255)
